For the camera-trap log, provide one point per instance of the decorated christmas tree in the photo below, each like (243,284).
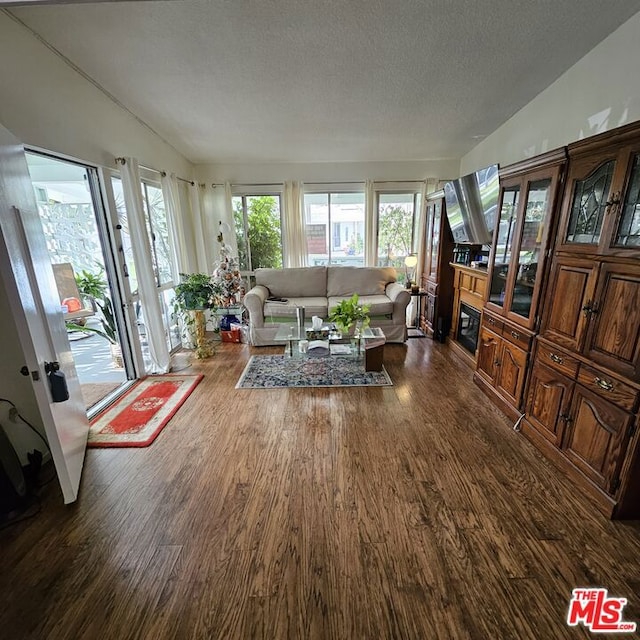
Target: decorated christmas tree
(226,273)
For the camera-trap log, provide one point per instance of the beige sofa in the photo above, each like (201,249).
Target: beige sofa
(318,290)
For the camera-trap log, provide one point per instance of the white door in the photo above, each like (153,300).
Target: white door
(28,277)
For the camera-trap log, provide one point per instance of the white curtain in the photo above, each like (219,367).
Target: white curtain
(294,232)
(370,225)
(176,222)
(147,286)
(198,225)
(220,204)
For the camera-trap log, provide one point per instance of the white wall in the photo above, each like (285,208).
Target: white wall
(328,171)
(47,104)
(600,92)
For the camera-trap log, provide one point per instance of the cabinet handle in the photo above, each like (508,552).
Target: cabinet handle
(604,384)
(590,309)
(515,335)
(555,358)
(496,363)
(565,417)
(491,321)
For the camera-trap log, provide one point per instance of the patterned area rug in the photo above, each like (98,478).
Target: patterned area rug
(137,417)
(272,372)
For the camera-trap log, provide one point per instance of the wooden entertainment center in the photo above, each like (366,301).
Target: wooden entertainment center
(559,337)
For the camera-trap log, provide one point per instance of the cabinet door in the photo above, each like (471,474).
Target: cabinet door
(529,257)
(568,300)
(428,248)
(430,311)
(586,200)
(614,335)
(597,438)
(510,374)
(488,352)
(435,238)
(503,244)
(626,232)
(548,402)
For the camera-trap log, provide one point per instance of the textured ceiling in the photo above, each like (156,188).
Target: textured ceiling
(325,80)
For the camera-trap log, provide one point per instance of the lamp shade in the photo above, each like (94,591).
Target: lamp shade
(411,261)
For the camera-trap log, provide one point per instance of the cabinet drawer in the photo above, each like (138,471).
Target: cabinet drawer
(516,336)
(431,287)
(558,360)
(608,387)
(491,323)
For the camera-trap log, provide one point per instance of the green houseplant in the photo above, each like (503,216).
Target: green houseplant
(349,312)
(195,293)
(109,329)
(91,286)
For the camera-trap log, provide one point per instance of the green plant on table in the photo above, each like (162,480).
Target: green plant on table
(349,312)
(195,293)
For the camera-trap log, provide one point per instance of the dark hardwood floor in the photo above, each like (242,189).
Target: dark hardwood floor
(413,511)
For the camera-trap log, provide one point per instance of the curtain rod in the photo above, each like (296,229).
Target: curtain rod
(162,173)
(271,184)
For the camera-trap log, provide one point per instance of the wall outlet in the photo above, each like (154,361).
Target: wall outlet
(13,414)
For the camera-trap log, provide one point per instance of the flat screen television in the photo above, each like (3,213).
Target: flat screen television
(472,203)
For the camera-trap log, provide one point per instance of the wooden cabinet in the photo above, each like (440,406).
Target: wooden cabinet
(585,417)
(469,286)
(502,362)
(571,286)
(437,277)
(548,403)
(528,193)
(600,209)
(516,277)
(597,438)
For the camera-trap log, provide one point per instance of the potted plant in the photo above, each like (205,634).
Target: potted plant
(348,313)
(195,293)
(92,286)
(109,329)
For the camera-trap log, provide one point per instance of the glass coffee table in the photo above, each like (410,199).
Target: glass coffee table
(301,343)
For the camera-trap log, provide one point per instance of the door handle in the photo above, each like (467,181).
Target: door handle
(57,381)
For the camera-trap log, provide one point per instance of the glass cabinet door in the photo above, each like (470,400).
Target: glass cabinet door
(531,248)
(628,233)
(504,241)
(588,206)
(435,243)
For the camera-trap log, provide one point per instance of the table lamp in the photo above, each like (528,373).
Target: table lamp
(410,262)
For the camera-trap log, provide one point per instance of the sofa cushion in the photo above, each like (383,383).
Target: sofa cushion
(380,305)
(365,281)
(316,306)
(294,282)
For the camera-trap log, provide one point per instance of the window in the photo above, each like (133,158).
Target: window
(161,258)
(335,228)
(258,231)
(396,222)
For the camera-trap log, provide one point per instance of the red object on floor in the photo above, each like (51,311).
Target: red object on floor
(137,417)
(233,335)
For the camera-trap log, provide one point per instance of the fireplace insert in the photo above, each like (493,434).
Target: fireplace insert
(468,327)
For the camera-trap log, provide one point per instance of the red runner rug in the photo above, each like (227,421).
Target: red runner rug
(137,417)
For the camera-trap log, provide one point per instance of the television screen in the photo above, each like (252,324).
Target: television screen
(472,203)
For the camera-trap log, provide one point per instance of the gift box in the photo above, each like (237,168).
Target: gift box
(232,335)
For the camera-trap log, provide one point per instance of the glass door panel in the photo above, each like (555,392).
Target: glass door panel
(75,231)
(435,245)
(531,247)
(502,258)
(628,234)
(588,206)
